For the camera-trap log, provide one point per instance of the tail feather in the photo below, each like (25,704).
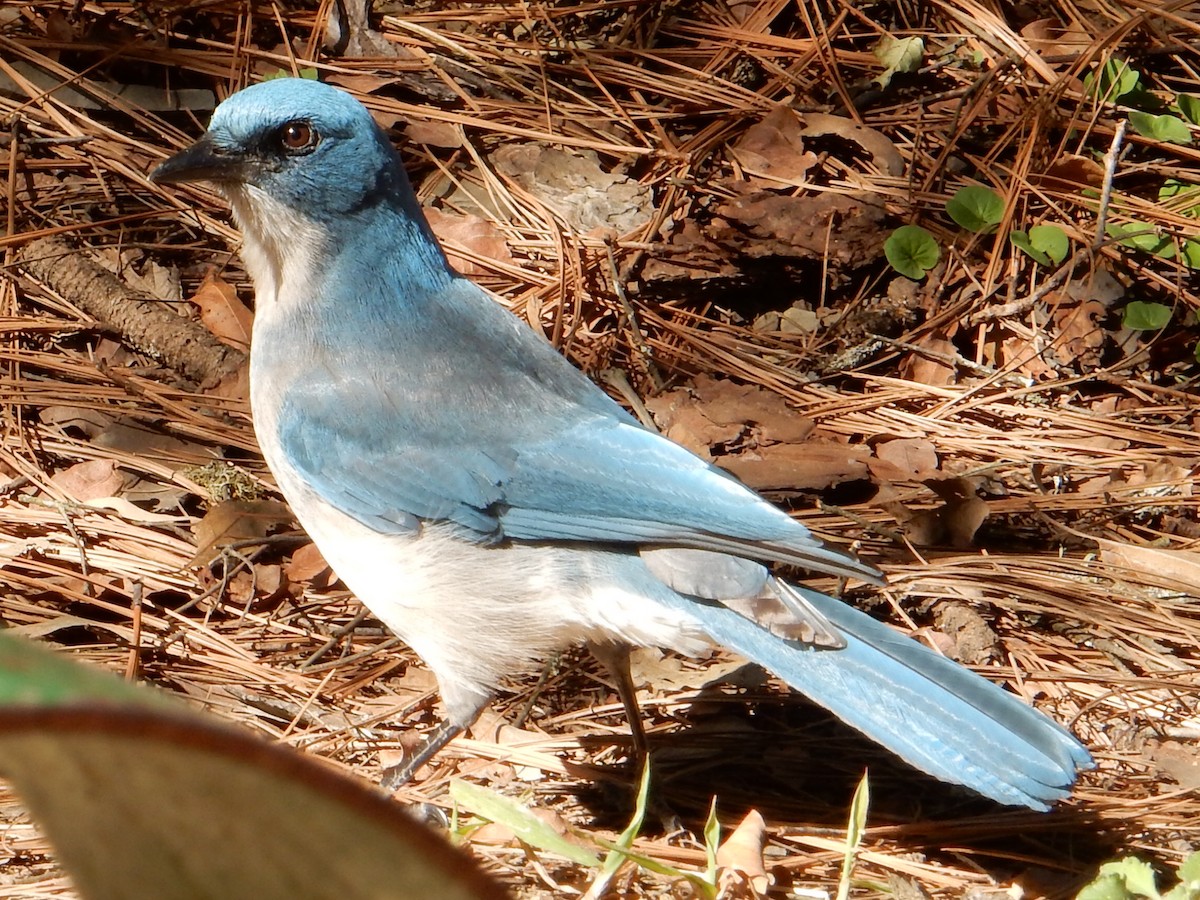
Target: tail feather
(927,709)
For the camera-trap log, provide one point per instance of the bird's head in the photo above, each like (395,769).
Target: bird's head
(298,161)
(305,145)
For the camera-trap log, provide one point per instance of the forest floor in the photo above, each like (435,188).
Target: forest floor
(692,200)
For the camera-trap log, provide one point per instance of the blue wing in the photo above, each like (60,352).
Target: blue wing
(463,414)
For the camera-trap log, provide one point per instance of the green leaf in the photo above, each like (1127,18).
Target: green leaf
(1189,871)
(1184,890)
(1104,887)
(1137,875)
(1115,79)
(1141,236)
(712,842)
(1021,241)
(1189,105)
(1167,128)
(1147,101)
(898,55)
(1143,316)
(1180,197)
(142,796)
(309,73)
(1189,253)
(524,824)
(976,208)
(855,829)
(620,850)
(1051,240)
(911,251)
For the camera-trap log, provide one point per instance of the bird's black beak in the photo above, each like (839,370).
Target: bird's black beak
(203,161)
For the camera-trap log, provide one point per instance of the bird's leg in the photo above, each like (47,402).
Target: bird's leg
(399,775)
(615,658)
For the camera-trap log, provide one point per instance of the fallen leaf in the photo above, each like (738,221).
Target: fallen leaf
(717,411)
(1179,566)
(134,513)
(306,564)
(773,149)
(141,274)
(1047,38)
(576,188)
(964,511)
(973,640)
(473,234)
(222,313)
(954,523)
(886,159)
(235,385)
(434,134)
(904,459)
(1070,173)
(234,521)
(671,672)
(841,230)
(740,857)
(1178,761)
(931,369)
(89,422)
(811,465)
(90,480)
(1081,334)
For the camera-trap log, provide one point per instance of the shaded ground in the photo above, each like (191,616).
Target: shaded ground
(692,200)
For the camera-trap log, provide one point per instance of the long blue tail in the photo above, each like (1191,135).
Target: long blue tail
(927,709)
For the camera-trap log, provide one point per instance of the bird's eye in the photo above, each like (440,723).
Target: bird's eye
(298,137)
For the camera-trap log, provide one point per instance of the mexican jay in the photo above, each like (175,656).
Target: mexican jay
(492,506)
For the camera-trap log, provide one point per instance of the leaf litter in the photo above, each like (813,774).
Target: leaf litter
(696,197)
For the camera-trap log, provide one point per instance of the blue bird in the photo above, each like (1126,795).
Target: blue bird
(492,506)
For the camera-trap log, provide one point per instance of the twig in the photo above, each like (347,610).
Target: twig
(147,325)
(1110,172)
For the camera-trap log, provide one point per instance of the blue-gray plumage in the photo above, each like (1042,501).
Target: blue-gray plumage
(492,506)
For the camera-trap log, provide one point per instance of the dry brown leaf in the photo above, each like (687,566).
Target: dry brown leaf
(717,411)
(935,369)
(773,149)
(307,565)
(843,231)
(222,313)
(904,459)
(1179,761)
(88,421)
(1180,566)
(813,465)
(1082,334)
(963,511)
(90,480)
(691,428)
(1048,38)
(233,521)
(576,188)
(471,233)
(434,134)
(740,858)
(1019,353)
(235,385)
(133,513)
(1071,173)
(954,523)
(659,671)
(972,640)
(884,155)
